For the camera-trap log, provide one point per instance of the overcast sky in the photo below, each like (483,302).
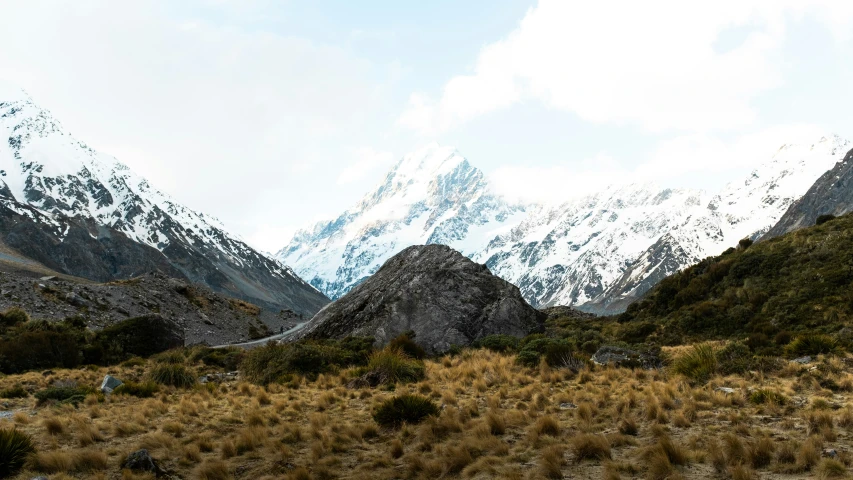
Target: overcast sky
(273,114)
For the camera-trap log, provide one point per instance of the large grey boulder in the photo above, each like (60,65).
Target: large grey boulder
(110,383)
(435,291)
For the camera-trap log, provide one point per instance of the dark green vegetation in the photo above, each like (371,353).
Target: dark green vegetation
(410,409)
(62,394)
(278,363)
(772,292)
(138,389)
(15,447)
(38,344)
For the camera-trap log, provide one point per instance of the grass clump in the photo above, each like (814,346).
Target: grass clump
(811,344)
(590,447)
(15,448)
(13,316)
(697,364)
(278,363)
(14,392)
(406,344)
(393,366)
(764,396)
(174,375)
(411,409)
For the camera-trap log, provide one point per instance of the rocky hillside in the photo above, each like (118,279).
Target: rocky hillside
(598,253)
(800,281)
(203,315)
(431,196)
(831,194)
(438,293)
(84,213)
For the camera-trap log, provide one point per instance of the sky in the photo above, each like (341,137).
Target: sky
(271,115)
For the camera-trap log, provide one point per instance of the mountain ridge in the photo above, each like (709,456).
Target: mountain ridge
(48,170)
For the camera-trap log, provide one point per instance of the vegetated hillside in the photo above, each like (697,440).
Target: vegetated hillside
(799,282)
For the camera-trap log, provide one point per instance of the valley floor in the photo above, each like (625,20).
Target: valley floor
(498,420)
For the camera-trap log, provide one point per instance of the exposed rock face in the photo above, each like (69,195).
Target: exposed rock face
(831,194)
(435,291)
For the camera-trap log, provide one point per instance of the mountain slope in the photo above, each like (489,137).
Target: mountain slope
(88,210)
(431,196)
(831,194)
(799,281)
(744,209)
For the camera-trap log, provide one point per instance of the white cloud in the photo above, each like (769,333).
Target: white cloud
(622,61)
(367,160)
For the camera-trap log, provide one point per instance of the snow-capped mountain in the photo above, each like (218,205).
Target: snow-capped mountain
(59,184)
(431,196)
(598,252)
(651,232)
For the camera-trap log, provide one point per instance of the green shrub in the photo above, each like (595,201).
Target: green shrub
(766,396)
(226,358)
(411,409)
(13,316)
(498,343)
(15,448)
(393,366)
(40,345)
(821,219)
(140,336)
(406,344)
(697,364)
(556,352)
(134,362)
(811,344)
(140,390)
(14,392)
(734,358)
(72,394)
(175,375)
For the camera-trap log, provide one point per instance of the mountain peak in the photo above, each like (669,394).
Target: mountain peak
(428,161)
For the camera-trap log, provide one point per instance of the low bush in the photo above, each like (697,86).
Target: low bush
(141,336)
(556,352)
(498,343)
(13,316)
(226,358)
(697,364)
(174,375)
(406,344)
(39,345)
(411,409)
(821,219)
(173,357)
(72,394)
(15,448)
(138,389)
(278,363)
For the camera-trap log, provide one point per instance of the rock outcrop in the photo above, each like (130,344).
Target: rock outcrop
(435,291)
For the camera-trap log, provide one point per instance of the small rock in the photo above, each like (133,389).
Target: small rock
(39,478)
(803,360)
(623,357)
(48,278)
(109,384)
(141,461)
(568,406)
(830,452)
(6,414)
(726,390)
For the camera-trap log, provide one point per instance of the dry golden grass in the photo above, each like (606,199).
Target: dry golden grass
(498,420)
